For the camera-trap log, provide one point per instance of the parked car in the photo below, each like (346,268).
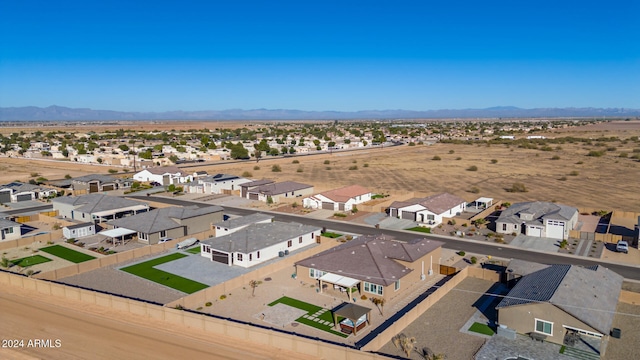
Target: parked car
(164,240)
(622,246)
(155,183)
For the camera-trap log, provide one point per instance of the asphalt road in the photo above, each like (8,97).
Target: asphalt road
(471,246)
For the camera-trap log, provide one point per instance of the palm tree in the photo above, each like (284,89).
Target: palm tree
(254,284)
(380,304)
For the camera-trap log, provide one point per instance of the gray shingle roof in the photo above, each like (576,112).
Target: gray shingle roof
(259,236)
(4,223)
(244,220)
(589,294)
(219,177)
(78,226)
(280,188)
(20,187)
(93,203)
(437,204)
(100,177)
(371,258)
(539,209)
(162,219)
(257,183)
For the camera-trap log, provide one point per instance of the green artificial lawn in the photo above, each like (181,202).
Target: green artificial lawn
(30,260)
(311,309)
(194,250)
(67,254)
(331,235)
(420,229)
(146,270)
(481,329)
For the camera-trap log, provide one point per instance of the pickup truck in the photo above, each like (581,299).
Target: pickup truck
(622,246)
(186,243)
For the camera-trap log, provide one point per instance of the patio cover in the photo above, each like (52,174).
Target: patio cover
(117,232)
(339,280)
(352,312)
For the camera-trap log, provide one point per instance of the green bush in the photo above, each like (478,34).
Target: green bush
(354,167)
(256,168)
(295,162)
(276,168)
(327,162)
(462,253)
(436,158)
(555,157)
(474,259)
(208,303)
(472,168)
(247,174)
(494,161)
(339,215)
(222,297)
(517,188)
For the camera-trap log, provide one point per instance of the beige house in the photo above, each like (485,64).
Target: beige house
(562,302)
(377,266)
(280,191)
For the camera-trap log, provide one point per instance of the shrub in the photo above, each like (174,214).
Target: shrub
(295,162)
(474,190)
(247,174)
(354,167)
(363,297)
(327,162)
(451,151)
(564,178)
(67,176)
(451,222)
(458,158)
(256,167)
(328,168)
(355,161)
(623,155)
(462,253)
(474,259)
(276,168)
(208,303)
(269,200)
(494,161)
(365,165)
(472,168)
(595,153)
(436,158)
(574,173)
(354,209)
(517,187)
(611,148)
(580,163)
(294,205)
(300,169)
(555,157)
(339,215)
(112,171)
(223,296)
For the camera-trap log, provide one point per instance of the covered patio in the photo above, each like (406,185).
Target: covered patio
(339,282)
(117,233)
(356,317)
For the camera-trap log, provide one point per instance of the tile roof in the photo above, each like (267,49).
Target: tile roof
(371,258)
(162,219)
(244,220)
(280,188)
(437,204)
(345,193)
(92,203)
(259,236)
(539,210)
(588,294)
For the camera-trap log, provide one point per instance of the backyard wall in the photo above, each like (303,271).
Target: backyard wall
(629,297)
(203,323)
(196,299)
(50,236)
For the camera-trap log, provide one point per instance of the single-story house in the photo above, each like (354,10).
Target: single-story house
(97,207)
(18,191)
(540,219)
(280,191)
(342,199)
(79,230)
(232,225)
(168,223)
(98,183)
(166,175)
(9,230)
(219,183)
(562,300)
(377,266)
(244,188)
(430,210)
(258,243)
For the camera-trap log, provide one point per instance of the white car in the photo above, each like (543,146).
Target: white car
(164,240)
(622,246)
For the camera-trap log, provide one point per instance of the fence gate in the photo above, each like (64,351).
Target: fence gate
(447,270)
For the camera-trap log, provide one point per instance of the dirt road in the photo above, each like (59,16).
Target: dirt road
(74,334)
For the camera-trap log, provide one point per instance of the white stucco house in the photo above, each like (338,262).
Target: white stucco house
(342,199)
(430,210)
(258,243)
(539,219)
(166,175)
(9,230)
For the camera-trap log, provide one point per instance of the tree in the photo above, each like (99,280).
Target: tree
(254,284)
(258,155)
(404,343)
(5,263)
(379,303)
(239,152)
(174,158)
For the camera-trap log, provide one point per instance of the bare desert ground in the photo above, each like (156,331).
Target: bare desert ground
(565,174)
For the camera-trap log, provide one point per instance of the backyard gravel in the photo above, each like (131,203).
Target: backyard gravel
(112,280)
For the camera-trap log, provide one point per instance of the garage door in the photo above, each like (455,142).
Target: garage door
(220,257)
(327,205)
(253,196)
(394,212)
(107,187)
(5,197)
(93,187)
(555,229)
(25,197)
(341,206)
(408,215)
(534,231)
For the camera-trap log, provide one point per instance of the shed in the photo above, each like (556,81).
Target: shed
(79,230)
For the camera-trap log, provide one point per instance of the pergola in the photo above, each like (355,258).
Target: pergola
(352,312)
(483,202)
(117,233)
(342,281)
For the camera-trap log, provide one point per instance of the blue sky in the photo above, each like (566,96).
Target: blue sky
(319,55)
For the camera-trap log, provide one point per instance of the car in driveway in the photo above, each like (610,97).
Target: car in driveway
(622,246)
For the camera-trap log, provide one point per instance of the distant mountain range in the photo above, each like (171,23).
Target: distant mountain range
(33,113)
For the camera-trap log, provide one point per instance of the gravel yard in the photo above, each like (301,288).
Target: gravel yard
(115,281)
(439,327)
(627,319)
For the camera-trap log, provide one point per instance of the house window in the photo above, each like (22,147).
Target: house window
(258,255)
(8,230)
(397,285)
(431,217)
(313,235)
(143,236)
(300,240)
(250,257)
(373,288)
(289,243)
(544,327)
(515,226)
(163,234)
(239,257)
(315,274)
(504,227)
